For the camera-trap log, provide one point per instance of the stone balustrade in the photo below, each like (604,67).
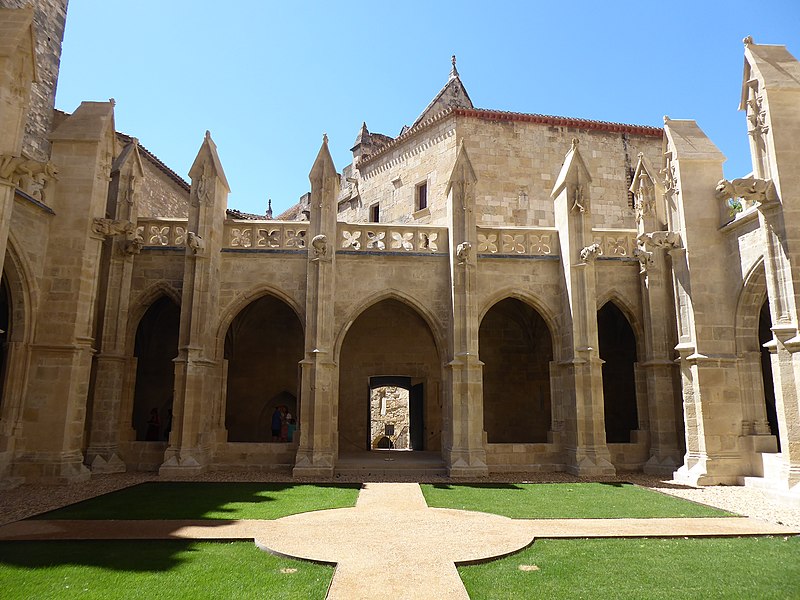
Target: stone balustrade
(374,237)
(267,235)
(156,231)
(526,241)
(615,243)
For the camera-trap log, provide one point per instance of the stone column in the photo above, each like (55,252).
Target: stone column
(584,420)
(771,99)
(658,368)
(319,393)
(705,309)
(197,374)
(17,72)
(61,355)
(466,454)
(111,362)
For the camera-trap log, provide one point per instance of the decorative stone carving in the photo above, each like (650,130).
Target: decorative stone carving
(590,253)
(402,240)
(195,242)
(660,239)
(32,177)
(319,243)
(204,191)
(750,189)
(375,240)
(133,246)
(643,256)
(463,252)
(113,227)
(427,241)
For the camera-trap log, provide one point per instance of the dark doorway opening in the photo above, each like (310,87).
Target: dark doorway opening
(155,348)
(263,345)
(5,326)
(764,336)
(618,351)
(516,348)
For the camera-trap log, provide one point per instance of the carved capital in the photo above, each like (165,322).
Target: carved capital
(590,253)
(32,177)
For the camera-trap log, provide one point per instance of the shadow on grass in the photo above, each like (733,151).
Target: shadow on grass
(204,500)
(476,486)
(116,555)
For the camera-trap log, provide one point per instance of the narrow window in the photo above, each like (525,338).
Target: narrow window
(422,196)
(374,213)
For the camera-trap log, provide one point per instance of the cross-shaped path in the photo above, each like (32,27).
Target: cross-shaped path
(392,540)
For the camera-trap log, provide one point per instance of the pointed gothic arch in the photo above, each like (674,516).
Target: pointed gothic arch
(155,346)
(389,338)
(263,346)
(516,348)
(618,350)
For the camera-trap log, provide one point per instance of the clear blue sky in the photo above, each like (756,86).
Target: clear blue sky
(268,78)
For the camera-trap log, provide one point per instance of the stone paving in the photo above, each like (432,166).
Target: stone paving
(391,539)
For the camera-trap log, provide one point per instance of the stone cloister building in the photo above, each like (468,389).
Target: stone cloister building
(549,294)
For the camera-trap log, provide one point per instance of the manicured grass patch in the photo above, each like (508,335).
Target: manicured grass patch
(178,500)
(150,569)
(767,567)
(564,501)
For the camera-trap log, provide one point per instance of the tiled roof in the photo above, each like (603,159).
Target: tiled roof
(501,115)
(125,138)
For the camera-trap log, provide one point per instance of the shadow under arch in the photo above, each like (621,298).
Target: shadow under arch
(434,324)
(516,349)
(752,296)
(263,344)
(155,347)
(545,312)
(618,350)
(238,304)
(140,305)
(389,336)
(631,315)
(19,294)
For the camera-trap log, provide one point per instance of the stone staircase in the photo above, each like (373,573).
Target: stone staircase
(389,464)
(768,472)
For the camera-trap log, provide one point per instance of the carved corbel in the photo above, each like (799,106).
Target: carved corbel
(463,251)
(32,177)
(750,189)
(319,244)
(644,257)
(195,243)
(590,253)
(660,239)
(113,227)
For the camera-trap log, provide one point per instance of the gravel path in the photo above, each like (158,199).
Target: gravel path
(31,499)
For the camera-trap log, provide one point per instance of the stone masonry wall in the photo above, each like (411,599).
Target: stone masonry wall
(517,164)
(49,20)
(160,195)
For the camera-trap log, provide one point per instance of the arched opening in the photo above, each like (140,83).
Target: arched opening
(263,346)
(389,345)
(5,327)
(516,348)
(156,346)
(764,336)
(618,351)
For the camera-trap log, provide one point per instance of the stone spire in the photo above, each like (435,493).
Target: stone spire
(453,71)
(269,208)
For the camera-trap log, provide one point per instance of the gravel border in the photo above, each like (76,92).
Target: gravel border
(28,500)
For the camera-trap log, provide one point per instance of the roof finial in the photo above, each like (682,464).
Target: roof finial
(453,71)
(748,40)
(269,208)
(325,138)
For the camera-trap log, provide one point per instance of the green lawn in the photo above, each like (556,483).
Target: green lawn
(767,567)
(171,500)
(149,569)
(564,501)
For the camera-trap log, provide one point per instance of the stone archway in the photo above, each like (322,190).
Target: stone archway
(263,346)
(155,347)
(618,351)
(516,348)
(5,326)
(764,337)
(391,340)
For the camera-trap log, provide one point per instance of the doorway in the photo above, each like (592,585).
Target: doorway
(396,414)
